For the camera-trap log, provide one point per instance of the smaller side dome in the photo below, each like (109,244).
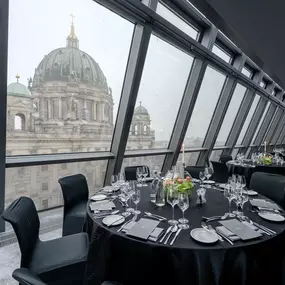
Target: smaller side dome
(140,110)
(18,89)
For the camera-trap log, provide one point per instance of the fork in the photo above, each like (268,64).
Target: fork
(207,228)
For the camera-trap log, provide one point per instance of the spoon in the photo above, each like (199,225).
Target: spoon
(173,230)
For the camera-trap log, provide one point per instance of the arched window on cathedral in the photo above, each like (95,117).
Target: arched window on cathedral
(145,129)
(136,130)
(19,122)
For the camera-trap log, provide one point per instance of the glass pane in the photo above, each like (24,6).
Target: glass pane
(248,119)
(246,72)
(165,74)
(231,114)
(153,162)
(177,21)
(235,152)
(221,53)
(215,155)
(260,122)
(190,158)
(208,96)
(271,121)
(262,84)
(75,70)
(41,182)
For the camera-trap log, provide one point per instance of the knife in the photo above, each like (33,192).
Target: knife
(211,231)
(176,235)
(118,220)
(167,231)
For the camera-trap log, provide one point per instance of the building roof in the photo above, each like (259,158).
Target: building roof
(140,110)
(18,89)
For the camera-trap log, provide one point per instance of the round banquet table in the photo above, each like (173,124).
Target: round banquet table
(129,261)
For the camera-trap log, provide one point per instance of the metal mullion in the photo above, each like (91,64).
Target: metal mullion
(4,16)
(239,120)
(217,118)
(277,136)
(273,126)
(185,111)
(278,130)
(254,123)
(134,70)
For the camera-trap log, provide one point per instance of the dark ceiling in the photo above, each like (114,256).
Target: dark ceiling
(257,27)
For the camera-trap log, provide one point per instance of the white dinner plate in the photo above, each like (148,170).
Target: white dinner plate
(271,217)
(98,197)
(110,189)
(209,182)
(201,235)
(113,220)
(251,193)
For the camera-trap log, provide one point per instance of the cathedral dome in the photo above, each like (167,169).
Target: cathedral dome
(70,64)
(18,89)
(140,110)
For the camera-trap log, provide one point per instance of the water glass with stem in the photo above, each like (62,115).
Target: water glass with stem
(172,199)
(228,193)
(183,204)
(131,186)
(241,180)
(139,175)
(114,183)
(202,176)
(124,197)
(144,174)
(136,197)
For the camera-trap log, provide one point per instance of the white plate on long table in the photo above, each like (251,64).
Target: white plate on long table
(98,197)
(203,236)
(271,217)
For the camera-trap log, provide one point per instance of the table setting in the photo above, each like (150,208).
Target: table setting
(185,218)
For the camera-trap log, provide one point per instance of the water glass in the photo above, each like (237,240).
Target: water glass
(114,183)
(241,180)
(172,199)
(228,193)
(131,186)
(144,174)
(139,174)
(183,204)
(202,176)
(136,197)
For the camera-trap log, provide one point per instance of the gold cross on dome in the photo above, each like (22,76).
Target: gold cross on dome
(72,18)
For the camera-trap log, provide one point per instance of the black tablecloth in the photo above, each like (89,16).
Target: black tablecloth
(115,256)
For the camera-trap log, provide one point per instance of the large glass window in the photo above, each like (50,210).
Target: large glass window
(231,114)
(75,70)
(271,121)
(177,21)
(164,78)
(247,72)
(206,102)
(248,119)
(189,158)
(215,155)
(43,187)
(153,162)
(260,122)
(221,53)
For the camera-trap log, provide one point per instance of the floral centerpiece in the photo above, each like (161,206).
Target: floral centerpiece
(266,159)
(183,185)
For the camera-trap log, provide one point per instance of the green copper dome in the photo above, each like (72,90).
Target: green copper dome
(140,110)
(70,64)
(18,89)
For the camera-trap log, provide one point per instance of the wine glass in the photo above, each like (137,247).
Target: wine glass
(208,173)
(202,176)
(241,180)
(172,199)
(228,193)
(136,197)
(124,197)
(114,183)
(131,186)
(144,174)
(183,204)
(139,175)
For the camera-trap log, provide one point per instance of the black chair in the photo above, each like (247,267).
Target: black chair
(269,185)
(224,158)
(131,172)
(194,170)
(221,172)
(56,262)
(270,169)
(75,195)
(25,277)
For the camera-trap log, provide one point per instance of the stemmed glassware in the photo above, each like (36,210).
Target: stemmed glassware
(183,204)
(144,174)
(229,194)
(139,174)
(208,173)
(136,197)
(241,181)
(125,196)
(131,186)
(202,176)
(114,183)
(172,199)
(241,199)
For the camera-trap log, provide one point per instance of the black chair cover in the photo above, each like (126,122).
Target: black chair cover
(131,172)
(194,170)
(25,277)
(269,185)
(221,173)
(225,158)
(75,195)
(56,262)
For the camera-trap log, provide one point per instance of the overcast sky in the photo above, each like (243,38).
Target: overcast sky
(38,27)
